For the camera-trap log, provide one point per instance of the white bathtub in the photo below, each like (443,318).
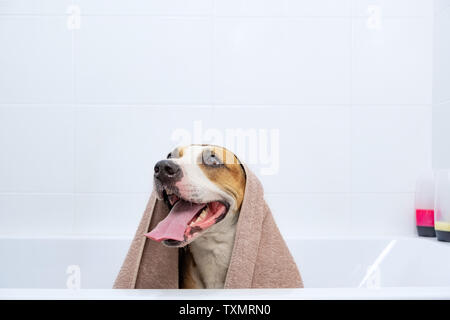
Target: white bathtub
(332,268)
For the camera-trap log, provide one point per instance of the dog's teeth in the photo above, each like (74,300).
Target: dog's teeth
(200,217)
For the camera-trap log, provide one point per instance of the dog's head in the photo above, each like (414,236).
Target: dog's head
(203,187)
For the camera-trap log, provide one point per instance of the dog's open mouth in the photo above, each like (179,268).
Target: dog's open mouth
(186,219)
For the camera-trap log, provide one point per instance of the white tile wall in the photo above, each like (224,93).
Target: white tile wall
(441,85)
(439,5)
(382,214)
(36,214)
(139,7)
(85,113)
(310,215)
(34,7)
(298,67)
(441,49)
(390,147)
(35,60)
(392,65)
(108,214)
(318,8)
(144,59)
(441,132)
(37,153)
(396,8)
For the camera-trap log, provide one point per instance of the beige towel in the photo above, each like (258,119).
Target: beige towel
(260,257)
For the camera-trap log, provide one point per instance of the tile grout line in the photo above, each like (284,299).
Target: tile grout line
(350,227)
(74,121)
(217,105)
(207,15)
(213,59)
(430,151)
(433,24)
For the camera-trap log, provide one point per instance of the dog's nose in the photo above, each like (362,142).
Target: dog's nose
(166,170)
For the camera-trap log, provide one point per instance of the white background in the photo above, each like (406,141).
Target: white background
(85,113)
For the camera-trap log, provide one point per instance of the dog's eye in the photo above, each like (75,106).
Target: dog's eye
(210,159)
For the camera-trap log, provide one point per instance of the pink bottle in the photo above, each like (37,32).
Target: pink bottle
(424,205)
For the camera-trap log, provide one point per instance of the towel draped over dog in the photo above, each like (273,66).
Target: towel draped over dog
(260,257)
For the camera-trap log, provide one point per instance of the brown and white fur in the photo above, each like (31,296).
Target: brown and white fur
(205,174)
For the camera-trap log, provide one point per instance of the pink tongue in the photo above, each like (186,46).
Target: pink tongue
(174,225)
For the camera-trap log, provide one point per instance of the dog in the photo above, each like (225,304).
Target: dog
(203,187)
